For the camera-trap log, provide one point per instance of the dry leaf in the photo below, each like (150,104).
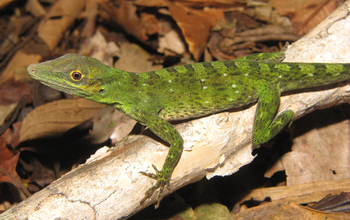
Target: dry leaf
(195,25)
(302,193)
(333,203)
(109,121)
(126,16)
(8,162)
(286,211)
(323,152)
(6,111)
(133,53)
(3,3)
(319,14)
(17,68)
(151,3)
(12,91)
(172,41)
(14,30)
(320,148)
(35,8)
(190,3)
(15,134)
(305,14)
(41,175)
(62,14)
(54,118)
(97,47)
(91,13)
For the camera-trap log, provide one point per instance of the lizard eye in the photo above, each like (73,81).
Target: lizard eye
(76,75)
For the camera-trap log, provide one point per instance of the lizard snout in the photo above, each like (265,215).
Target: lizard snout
(31,69)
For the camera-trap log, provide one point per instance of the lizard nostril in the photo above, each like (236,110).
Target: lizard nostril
(31,69)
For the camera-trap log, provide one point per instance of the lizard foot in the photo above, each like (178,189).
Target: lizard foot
(162,180)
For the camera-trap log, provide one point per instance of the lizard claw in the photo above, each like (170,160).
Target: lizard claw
(162,180)
(152,175)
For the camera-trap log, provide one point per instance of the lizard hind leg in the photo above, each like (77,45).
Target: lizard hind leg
(266,125)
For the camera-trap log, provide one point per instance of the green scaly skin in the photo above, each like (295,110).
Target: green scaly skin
(190,91)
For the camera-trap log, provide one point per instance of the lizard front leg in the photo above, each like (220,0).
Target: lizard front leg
(266,125)
(167,132)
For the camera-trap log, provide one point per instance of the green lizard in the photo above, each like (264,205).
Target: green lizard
(188,91)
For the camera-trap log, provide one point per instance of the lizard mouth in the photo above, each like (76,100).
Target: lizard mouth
(60,87)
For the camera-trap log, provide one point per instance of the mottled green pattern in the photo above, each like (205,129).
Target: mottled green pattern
(189,91)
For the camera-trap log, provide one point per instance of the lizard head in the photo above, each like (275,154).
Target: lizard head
(73,74)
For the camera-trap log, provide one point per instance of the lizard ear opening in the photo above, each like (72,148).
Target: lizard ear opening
(102,91)
(76,75)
